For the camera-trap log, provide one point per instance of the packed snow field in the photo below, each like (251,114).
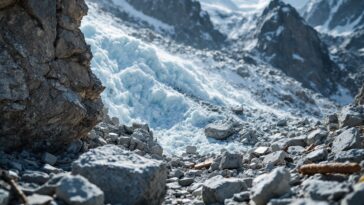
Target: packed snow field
(179,97)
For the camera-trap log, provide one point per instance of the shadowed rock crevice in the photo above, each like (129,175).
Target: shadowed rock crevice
(48,94)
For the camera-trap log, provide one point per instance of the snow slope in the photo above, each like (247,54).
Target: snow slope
(179,97)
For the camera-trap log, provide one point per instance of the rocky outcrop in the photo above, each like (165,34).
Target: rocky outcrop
(289,44)
(48,94)
(359,99)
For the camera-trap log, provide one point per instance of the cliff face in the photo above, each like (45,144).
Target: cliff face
(48,94)
(294,47)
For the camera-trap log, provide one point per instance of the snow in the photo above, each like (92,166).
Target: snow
(179,94)
(343,96)
(158,25)
(298,57)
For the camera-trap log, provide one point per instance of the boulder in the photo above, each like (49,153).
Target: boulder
(351,116)
(217,189)
(48,94)
(323,190)
(349,139)
(353,155)
(125,177)
(268,186)
(316,137)
(219,132)
(316,156)
(275,158)
(231,161)
(78,190)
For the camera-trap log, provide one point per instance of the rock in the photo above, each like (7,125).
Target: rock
(280,24)
(49,158)
(242,196)
(350,117)
(37,199)
(296,141)
(359,98)
(356,197)
(191,149)
(35,177)
(323,190)
(295,150)
(271,185)
(75,147)
(219,132)
(308,202)
(217,189)
(282,123)
(185,181)
(349,139)
(275,158)
(353,155)
(46,101)
(177,173)
(261,151)
(248,137)
(51,169)
(316,156)
(231,161)
(157,149)
(4,197)
(78,190)
(123,173)
(316,137)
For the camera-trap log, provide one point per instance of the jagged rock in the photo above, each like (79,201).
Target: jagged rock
(35,177)
(271,185)
(316,156)
(219,132)
(316,137)
(185,181)
(127,174)
(248,137)
(46,102)
(275,158)
(349,139)
(242,196)
(351,116)
(49,158)
(231,161)
(217,189)
(353,155)
(292,46)
(359,98)
(78,190)
(323,190)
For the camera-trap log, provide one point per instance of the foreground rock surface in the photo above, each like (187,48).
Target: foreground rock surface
(125,177)
(48,94)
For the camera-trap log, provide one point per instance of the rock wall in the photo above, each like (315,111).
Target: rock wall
(48,94)
(294,47)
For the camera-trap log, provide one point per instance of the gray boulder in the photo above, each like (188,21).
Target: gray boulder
(219,132)
(275,158)
(268,186)
(351,117)
(125,177)
(349,139)
(324,190)
(79,191)
(353,155)
(217,189)
(316,156)
(231,161)
(316,137)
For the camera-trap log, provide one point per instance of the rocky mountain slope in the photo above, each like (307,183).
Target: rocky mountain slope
(48,94)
